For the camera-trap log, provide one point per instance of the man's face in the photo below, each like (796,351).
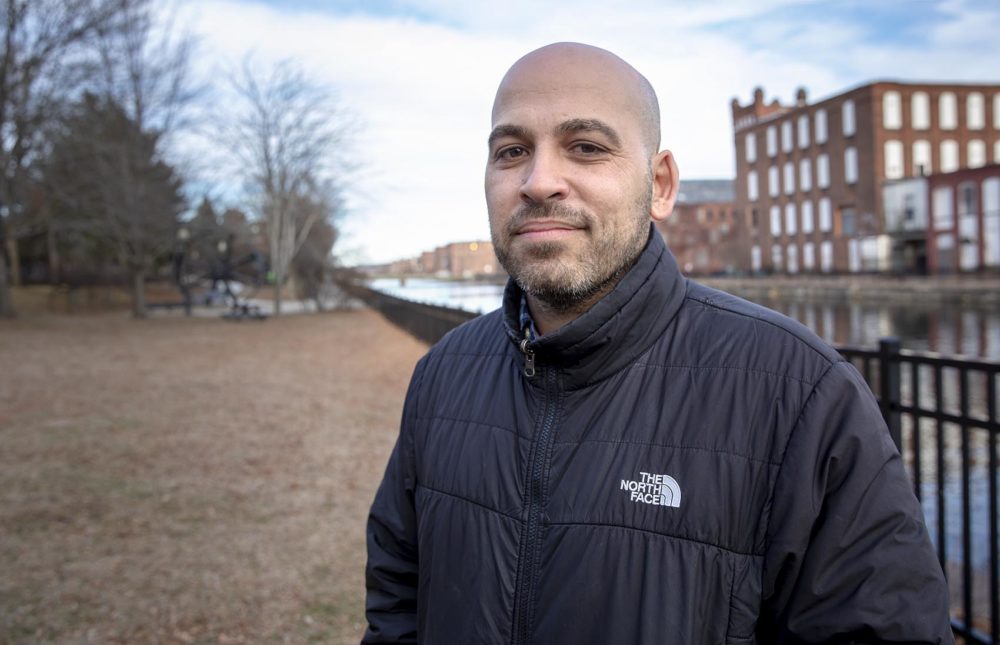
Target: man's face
(568,183)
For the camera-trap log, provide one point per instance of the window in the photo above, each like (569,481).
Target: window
(851,165)
(975,111)
(772,141)
(892,111)
(789,178)
(825,215)
(820,125)
(823,171)
(996,111)
(807,216)
(804,131)
(808,257)
(847,223)
(968,202)
(949,155)
(941,214)
(751,147)
(976,154)
(847,118)
(920,111)
(805,175)
(786,137)
(826,256)
(996,151)
(754,218)
(909,208)
(752,185)
(922,158)
(948,111)
(853,256)
(894,159)
(773,189)
(991,221)
(793,259)
(755,258)
(776,257)
(790,219)
(775,221)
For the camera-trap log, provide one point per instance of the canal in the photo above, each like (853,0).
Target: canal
(936,327)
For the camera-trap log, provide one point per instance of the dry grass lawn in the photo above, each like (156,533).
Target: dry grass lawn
(192,480)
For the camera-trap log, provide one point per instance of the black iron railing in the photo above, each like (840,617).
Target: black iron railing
(942,415)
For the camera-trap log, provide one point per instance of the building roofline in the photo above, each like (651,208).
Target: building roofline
(791,108)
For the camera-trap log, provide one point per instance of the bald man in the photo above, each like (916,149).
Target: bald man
(619,454)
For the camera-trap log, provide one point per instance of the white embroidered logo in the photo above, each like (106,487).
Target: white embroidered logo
(659,490)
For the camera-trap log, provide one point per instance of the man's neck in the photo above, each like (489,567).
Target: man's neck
(548,319)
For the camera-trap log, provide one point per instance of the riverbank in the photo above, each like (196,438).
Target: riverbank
(184,480)
(980,290)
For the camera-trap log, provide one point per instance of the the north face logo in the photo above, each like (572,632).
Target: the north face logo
(659,490)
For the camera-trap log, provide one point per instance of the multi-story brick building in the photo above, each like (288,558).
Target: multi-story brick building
(963,232)
(702,231)
(809,176)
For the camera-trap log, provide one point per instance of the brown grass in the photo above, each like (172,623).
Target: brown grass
(192,480)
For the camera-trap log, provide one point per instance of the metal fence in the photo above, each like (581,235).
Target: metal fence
(942,414)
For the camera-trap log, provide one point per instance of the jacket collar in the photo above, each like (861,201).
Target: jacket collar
(616,330)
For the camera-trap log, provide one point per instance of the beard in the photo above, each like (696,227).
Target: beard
(560,277)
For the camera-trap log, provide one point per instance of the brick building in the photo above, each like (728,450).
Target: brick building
(809,177)
(702,232)
(963,233)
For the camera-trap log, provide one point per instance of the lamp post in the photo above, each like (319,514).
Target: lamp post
(180,266)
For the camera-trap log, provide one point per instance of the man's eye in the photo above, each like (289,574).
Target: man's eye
(510,153)
(586,148)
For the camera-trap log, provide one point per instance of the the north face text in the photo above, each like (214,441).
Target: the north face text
(659,490)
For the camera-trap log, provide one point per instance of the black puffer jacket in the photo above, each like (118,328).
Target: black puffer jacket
(683,467)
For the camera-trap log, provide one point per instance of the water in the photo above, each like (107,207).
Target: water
(944,329)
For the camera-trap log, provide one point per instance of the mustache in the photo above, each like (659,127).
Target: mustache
(548,210)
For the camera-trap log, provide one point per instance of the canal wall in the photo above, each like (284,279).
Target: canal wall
(973,291)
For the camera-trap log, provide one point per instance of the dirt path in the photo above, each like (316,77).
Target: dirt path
(192,480)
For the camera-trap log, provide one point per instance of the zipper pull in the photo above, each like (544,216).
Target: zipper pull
(529,357)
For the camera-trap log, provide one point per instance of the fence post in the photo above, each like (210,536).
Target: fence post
(890,397)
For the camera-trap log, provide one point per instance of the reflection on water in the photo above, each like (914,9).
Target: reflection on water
(946,329)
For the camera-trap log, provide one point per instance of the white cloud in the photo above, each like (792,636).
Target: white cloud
(423,87)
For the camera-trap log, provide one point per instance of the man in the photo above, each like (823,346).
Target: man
(620,455)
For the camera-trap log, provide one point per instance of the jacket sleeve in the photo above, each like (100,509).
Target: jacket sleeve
(391,571)
(848,558)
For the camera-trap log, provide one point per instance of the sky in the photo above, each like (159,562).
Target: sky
(417,78)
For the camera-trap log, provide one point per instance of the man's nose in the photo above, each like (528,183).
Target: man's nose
(545,179)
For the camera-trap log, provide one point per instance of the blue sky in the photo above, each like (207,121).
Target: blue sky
(419,76)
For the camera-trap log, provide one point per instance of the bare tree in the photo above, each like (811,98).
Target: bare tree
(145,72)
(39,66)
(313,266)
(283,135)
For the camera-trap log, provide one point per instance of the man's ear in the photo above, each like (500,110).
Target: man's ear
(666,181)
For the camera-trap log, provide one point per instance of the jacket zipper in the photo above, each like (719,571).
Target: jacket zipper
(537,471)
(529,355)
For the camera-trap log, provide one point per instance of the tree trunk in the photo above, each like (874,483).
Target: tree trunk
(53,252)
(139,294)
(277,296)
(6,300)
(15,262)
